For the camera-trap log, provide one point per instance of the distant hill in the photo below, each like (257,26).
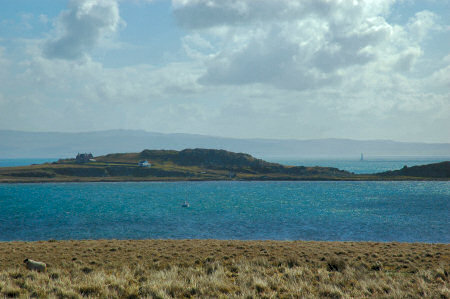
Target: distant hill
(17,144)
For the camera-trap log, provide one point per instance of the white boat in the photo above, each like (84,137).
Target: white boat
(185,204)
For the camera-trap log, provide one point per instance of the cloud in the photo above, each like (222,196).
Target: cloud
(4,65)
(420,25)
(407,59)
(439,81)
(287,68)
(289,44)
(43,18)
(81,27)
(37,93)
(198,14)
(300,45)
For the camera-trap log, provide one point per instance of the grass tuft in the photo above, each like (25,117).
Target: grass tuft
(336,264)
(86,270)
(90,290)
(12,292)
(377,266)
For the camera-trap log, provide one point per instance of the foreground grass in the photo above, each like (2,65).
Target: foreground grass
(211,268)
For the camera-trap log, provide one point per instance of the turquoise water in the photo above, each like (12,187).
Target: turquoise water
(369,165)
(24,162)
(344,211)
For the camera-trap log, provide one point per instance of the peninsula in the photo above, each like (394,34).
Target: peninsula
(196,165)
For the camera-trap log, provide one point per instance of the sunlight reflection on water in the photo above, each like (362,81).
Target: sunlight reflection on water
(377,211)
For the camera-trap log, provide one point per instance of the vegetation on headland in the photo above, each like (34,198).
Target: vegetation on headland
(198,165)
(225,269)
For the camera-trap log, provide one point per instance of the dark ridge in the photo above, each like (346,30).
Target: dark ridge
(219,159)
(435,170)
(161,155)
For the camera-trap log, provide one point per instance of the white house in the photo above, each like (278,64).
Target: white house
(144,163)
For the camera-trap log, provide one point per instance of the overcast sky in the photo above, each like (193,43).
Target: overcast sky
(361,69)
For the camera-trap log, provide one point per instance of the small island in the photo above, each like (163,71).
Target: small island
(197,165)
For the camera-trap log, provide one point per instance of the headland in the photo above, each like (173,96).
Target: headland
(197,165)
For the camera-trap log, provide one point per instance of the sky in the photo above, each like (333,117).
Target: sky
(286,69)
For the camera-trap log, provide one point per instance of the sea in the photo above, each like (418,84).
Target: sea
(25,162)
(409,211)
(368,165)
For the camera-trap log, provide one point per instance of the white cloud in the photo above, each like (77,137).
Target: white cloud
(81,27)
(295,45)
(406,60)
(85,95)
(420,25)
(439,81)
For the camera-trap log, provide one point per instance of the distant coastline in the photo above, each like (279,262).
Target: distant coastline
(16,144)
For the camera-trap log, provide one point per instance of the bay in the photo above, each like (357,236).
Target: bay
(329,211)
(367,166)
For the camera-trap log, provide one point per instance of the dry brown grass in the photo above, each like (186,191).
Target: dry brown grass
(212,268)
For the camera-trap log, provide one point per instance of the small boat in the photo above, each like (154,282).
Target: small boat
(185,204)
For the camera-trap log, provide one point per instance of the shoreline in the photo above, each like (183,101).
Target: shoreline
(222,240)
(409,179)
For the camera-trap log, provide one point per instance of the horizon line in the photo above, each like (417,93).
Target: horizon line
(222,137)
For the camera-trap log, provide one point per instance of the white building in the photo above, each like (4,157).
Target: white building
(144,163)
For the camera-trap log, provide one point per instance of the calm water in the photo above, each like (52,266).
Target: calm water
(24,162)
(369,165)
(378,211)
